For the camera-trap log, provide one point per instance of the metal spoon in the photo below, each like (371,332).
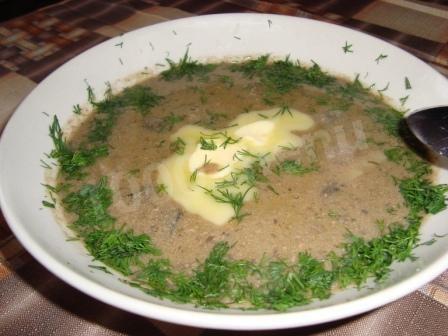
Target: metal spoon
(430,126)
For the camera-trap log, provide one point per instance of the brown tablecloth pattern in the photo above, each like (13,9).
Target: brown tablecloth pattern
(34,302)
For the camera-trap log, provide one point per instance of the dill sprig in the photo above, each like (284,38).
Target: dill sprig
(178,146)
(71,161)
(407,83)
(347,48)
(252,175)
(139,98)
(161,189)
(234,199)
(119,249)
(284,109)
(156,273)
(421,195)
(207,144)
(282,76)
(353,90)
(91,204)
(410,161)
(186,67)
(169,121)
(293,167)
(388,117)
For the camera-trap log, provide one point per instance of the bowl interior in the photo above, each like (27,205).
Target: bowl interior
(208,38)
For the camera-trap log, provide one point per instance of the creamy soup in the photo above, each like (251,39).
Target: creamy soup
(296,176)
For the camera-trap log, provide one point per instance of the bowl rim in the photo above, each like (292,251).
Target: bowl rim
(222,319)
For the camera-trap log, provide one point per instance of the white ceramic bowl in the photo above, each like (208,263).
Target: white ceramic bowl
(25,139)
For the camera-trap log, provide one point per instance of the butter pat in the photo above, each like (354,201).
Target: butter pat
(257,132)
(190,178)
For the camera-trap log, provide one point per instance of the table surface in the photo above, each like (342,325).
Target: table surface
(34,302)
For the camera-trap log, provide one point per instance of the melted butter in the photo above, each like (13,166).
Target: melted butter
(260,133)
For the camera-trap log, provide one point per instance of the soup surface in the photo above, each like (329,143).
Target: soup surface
(328,204)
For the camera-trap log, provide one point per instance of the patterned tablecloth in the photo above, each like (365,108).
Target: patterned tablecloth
(34,302)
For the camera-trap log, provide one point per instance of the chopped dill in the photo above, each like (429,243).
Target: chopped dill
(253,174)
(212,118)
(386,116)
(294,168)
(140,98)
(226,80)
(44,164)
(333,214)
(90,204)
(384,88)
(421,195)
(252,67)
(347,48)
(77,109)
(407,83)
(271,188)
(283,110)
(289,147)
(119,249)
(100,268)
(380,58)
(245,153)
(234,199)
(48,204)
(194,176)
(169,121)
(228,140)
(403,100)
(161,189)
(178,146)
(72,161)
(410,161)
(281,76)
(207,144)
(186,67)
(353,89)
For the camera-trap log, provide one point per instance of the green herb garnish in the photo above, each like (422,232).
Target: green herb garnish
(234,199)
(178,146)
(140,98)
(48,204)
(161,189)
(72,161)
(169,122)
(119,249)
(186,67)
(294,168)
(407,83)
(347,48)
(380,58)
(283,110)
(207,144)
(77,109)
(90,204)
(388,117)
(422,196)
